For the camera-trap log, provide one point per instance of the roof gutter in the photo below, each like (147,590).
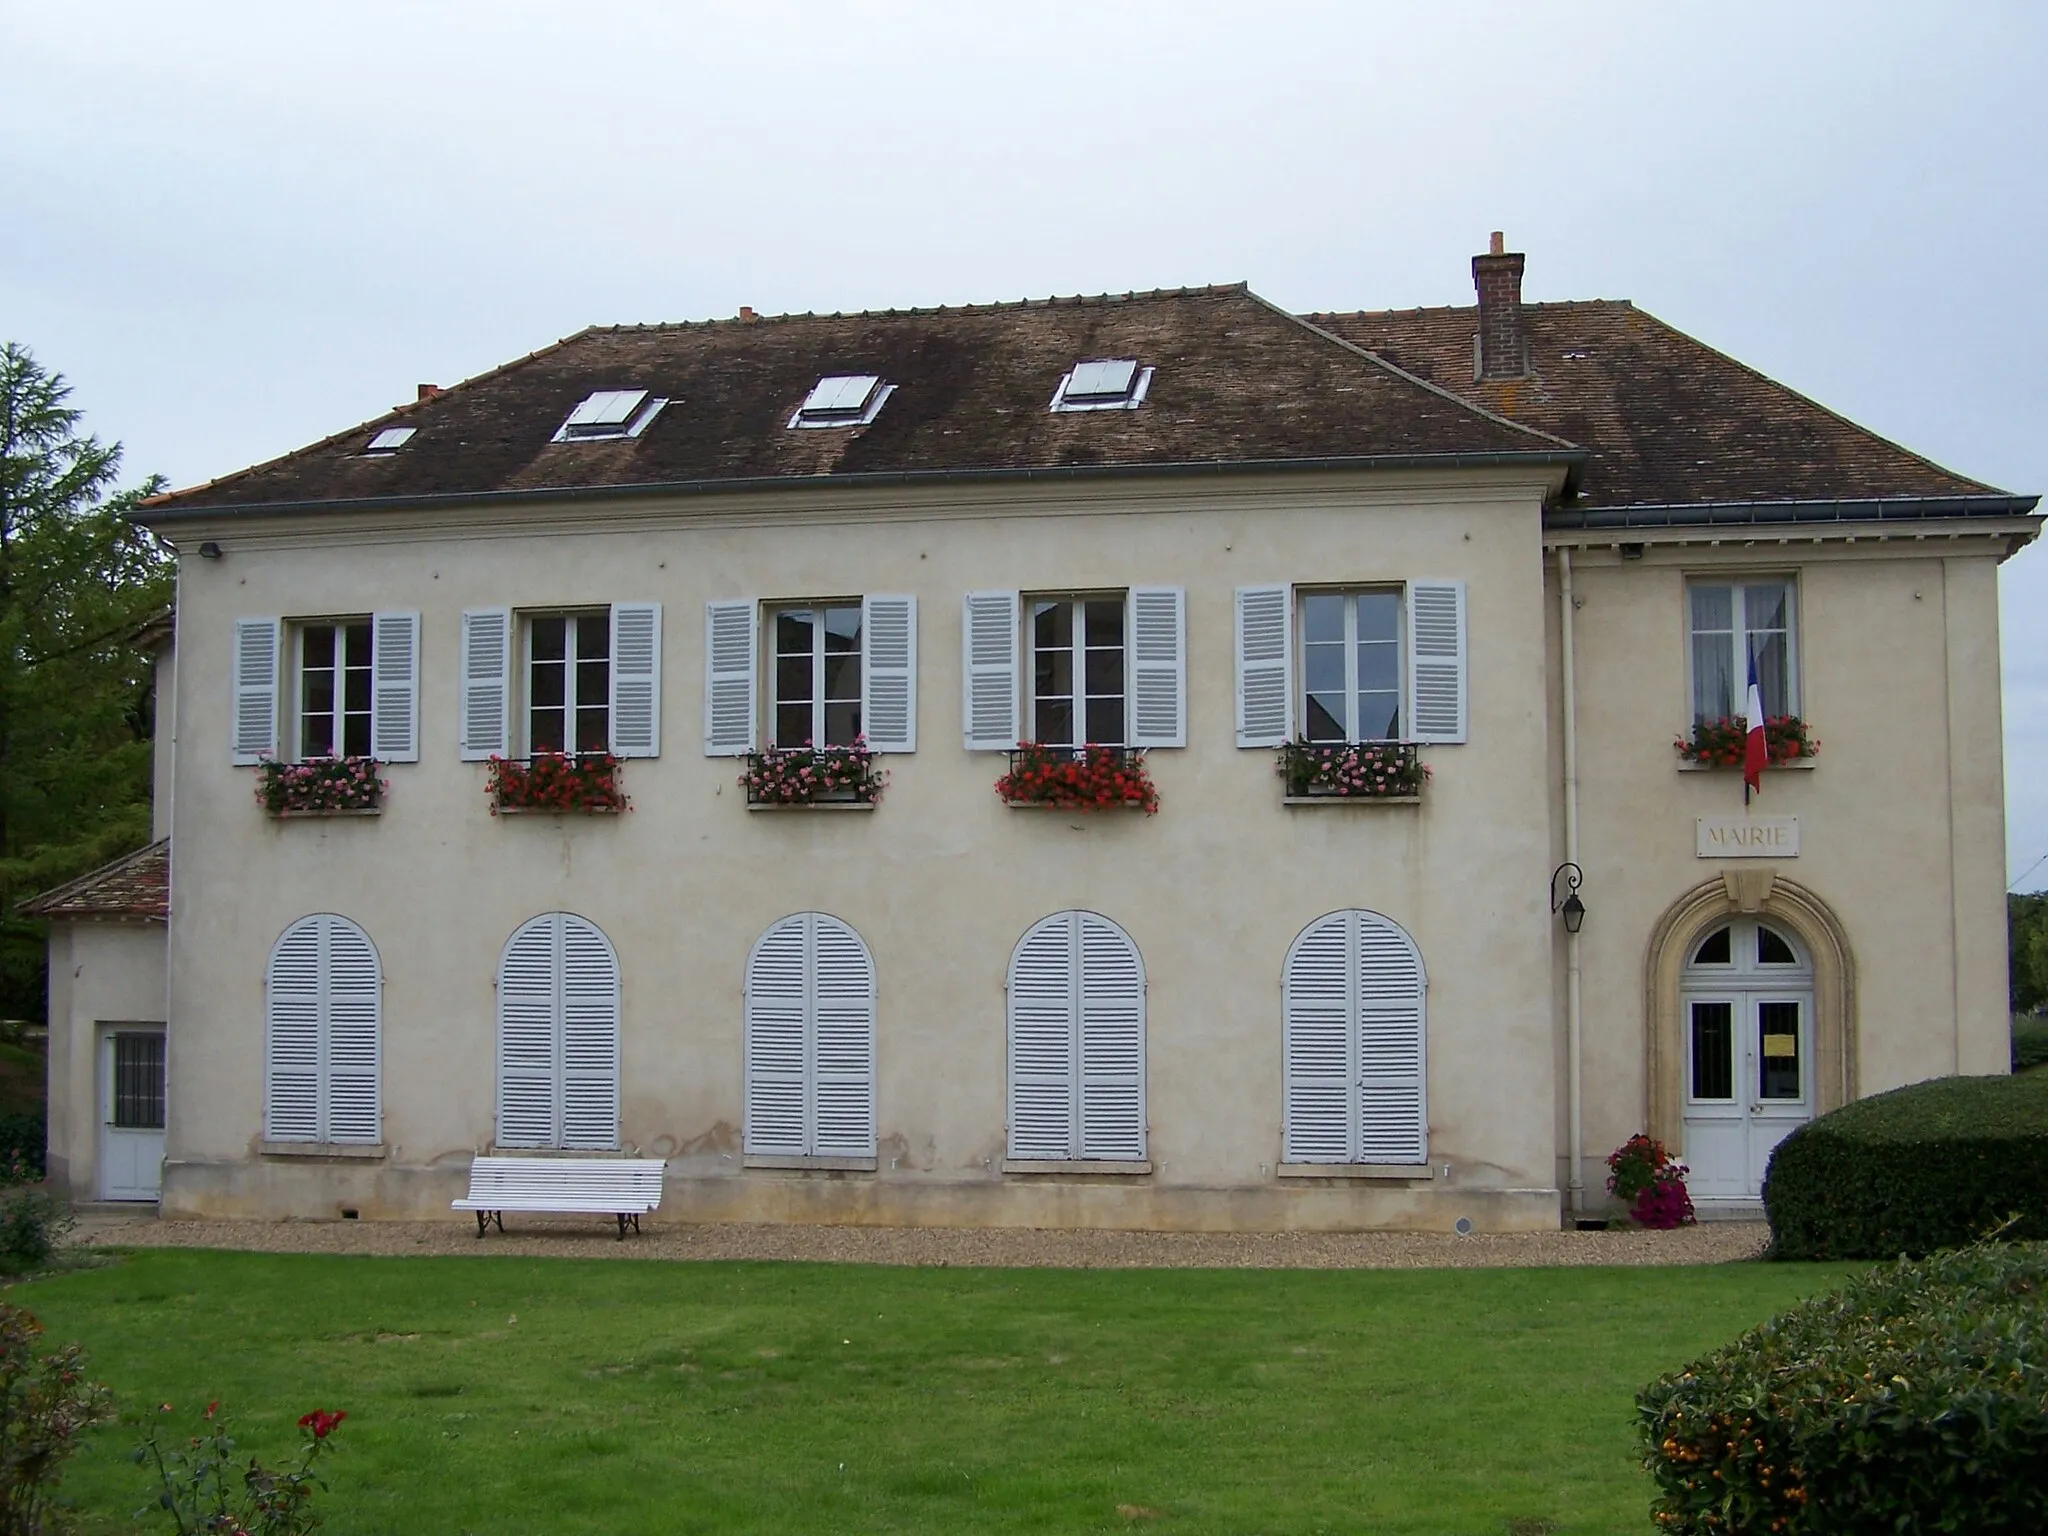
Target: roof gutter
(1883,509)
(1570,459)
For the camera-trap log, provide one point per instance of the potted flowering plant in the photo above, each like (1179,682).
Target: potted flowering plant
(556,781)
(320,786)
(1721,743)
(1087,778)
(1643,1174)
(1364,770)
(810,775)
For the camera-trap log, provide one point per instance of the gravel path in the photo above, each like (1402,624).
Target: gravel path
(1718,1242)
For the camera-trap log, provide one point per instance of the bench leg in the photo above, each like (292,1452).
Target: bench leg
(483,1221)
(622,1226)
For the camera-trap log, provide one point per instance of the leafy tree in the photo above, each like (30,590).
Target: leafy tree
(2027,928)
(78,580)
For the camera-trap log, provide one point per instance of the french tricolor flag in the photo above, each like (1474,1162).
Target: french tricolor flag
(1756,753)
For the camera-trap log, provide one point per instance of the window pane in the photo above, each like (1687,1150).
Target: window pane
(1773,673)
(317,690)
(593,684)
(1105,621)
(1325,720)
(842,629)
(1771,948)
(316,736)
(1053,722)
(1105,671)
(545,731)
(356,690)
(842,677)
(1379,616)
(1106,721)
(842,724)
(1713,1050)
(355,735)
(1713,608)
(1379,716)
(1322,618)
(1713,682)
(593,729)
(1324,665)
(593,636)
(793,633)
(1379,666)
(1715,949)
(1052,624)
(1763,606)
(548,636)
(1777,1057)
(318,645)
(545,687)
(1052,674)
(792,725)
(793,679)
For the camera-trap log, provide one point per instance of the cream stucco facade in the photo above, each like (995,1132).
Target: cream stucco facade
(1896,889)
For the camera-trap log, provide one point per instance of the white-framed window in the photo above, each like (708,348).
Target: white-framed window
(558,1036)
(1104,384)
(1107,668)
(340,686)
(1077,1042)
(1734,624)
(823,671)
(843,400)
(582,679)
(814,679)
(1353,1043)
(810,1041)
(322,998)
(1352,664)
(608,414)
(1378,662)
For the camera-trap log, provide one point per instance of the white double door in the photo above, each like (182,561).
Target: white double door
(1748,1085)
(131,1073)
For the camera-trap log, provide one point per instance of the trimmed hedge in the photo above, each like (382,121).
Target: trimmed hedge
(2029,1043)
(1913,1399)
(1936,1165)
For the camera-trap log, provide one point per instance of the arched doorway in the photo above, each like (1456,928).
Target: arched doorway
(1747,1009)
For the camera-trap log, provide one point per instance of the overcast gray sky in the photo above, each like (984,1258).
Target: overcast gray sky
(240,227)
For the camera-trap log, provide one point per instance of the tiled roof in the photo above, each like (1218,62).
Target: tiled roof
(1667,418)
(1238,381)
(135,885)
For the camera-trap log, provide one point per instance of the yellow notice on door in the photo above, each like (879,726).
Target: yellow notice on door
(1781,1045)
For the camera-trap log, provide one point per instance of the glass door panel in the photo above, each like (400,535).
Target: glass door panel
(1713,1051)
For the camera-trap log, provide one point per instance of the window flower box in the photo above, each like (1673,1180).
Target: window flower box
(1362,770)
(808,775)
(320,786)
(1089,778)
(556,782)
(1722,743)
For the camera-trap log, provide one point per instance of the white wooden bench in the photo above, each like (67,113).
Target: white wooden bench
(625,1187)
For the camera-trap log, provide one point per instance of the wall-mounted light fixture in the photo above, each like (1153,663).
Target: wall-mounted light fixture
(209,550)
(1570,908)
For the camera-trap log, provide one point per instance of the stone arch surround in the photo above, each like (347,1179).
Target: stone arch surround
(1764,894)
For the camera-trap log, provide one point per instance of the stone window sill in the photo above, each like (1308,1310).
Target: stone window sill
(1413,1173)
(832,1164)
(355,810)
(1798,765)
(548,810)
(323,1149)
(1093,1166)
(815,805)
(1351,799)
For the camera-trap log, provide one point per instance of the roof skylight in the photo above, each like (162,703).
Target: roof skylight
(390,440)
(843,400)
(1104,384)
(609,413)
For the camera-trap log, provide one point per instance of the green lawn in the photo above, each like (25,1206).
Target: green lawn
(517,1395)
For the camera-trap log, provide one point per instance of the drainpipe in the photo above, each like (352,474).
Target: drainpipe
(1571,853)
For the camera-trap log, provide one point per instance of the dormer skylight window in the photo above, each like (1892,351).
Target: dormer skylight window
(390,440)
(1105,384)
(843,400)
(610,413)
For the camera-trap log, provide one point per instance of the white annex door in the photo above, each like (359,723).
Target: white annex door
(1353,1067)
(1077,1043)
(1747,1007)
(131,1073)
(558,1036)
(810,1041)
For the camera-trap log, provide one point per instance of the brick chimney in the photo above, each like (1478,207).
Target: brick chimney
(1500,350)
(427,392)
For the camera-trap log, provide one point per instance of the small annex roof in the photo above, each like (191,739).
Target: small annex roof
(1667,419)
(1237,381)
(137,884)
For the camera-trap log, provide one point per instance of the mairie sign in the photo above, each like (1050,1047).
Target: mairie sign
(1748,837)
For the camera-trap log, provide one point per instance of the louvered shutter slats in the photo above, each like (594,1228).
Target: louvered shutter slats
(590,1036)
(636,680)
(1354,1068)
(889,672)
(1158,642)
(1390,1082)
(843,1041)
(1112,1044)
(352,1044)
(730,638)
(1265,670)
(775,1006)
(528,1100)
(486,683)
(253,733)
(1042,1045)
(1437,661)
(292,1046)
(1317,1113)
(1077,1042)
(810,1041)
(395,687)
(989,670)
(321,1049)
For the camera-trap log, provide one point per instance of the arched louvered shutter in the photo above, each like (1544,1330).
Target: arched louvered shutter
(1353,1030)
(1077,1042)
(321,1036)
(778,987)
(842,1041)
(558,1036)
(291,1087)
